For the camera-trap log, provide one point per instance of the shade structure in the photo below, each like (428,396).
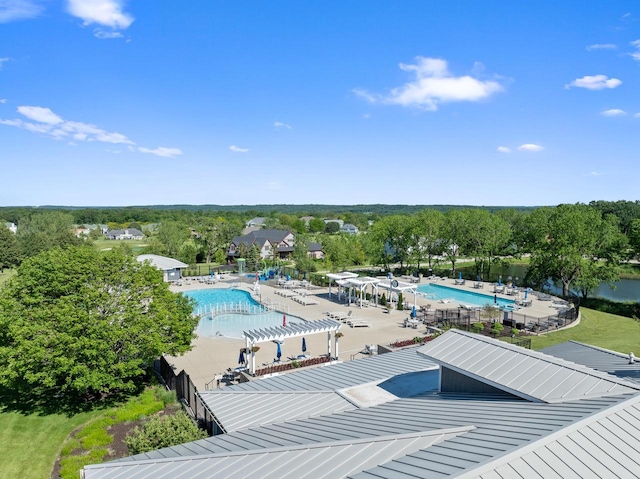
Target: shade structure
(284,321)
(304,345)
(278,352)
(241,357)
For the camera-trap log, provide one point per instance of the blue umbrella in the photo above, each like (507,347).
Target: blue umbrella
(499,280)
(526,292)
(413,312)
(459,274)
(279,352)
(241,358)
(304,345)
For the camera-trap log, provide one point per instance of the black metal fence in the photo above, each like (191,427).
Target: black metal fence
(187,394)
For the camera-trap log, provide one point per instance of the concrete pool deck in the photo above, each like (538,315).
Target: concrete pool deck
(212,356)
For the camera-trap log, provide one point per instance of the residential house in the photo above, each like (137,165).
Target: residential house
(12,227)
(268,239)
(349,229)
(306,219)
(125,234)
(258,221)
(340,222)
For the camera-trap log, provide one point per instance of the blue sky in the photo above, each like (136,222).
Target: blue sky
(106,102)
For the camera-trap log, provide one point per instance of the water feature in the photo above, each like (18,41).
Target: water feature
(232,325)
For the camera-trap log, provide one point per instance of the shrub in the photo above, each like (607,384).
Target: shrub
(497,328)
(400,302)
(478,327)
(163,431)
(515,331)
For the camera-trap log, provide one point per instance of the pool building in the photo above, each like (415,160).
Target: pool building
(461,406)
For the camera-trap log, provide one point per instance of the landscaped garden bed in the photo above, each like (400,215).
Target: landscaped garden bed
(278,368)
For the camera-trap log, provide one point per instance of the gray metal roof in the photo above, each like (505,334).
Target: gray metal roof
(343,375)
(239,409)
(162,262)
(594,357)
(291,330)
(528,374)
(604,445)
(330,460)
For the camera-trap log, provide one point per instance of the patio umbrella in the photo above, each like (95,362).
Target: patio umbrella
(257,277)
(284,321)
(279,352)
(500,280)
(241,358)
(495,299)
(414,313)
(459,274)
(304,345)
(526,292)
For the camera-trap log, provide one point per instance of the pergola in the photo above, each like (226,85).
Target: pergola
(340,277)
(280,333)
(399,287)
(360,286)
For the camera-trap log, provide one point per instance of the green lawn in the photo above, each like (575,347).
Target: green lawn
(6,275)
(29,445)
(605,330)
(105,245)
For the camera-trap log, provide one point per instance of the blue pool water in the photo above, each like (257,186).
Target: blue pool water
(438,292)
(232,325)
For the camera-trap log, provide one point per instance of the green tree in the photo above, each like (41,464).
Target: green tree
(574,243)
(173,235)
(9,249)
(426,231)
(486,238)
(42,231)
(304,263)
(76,323)
(316,225)
(453,236)
(332,227)
(253,257)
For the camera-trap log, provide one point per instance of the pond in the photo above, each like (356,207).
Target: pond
(625,289)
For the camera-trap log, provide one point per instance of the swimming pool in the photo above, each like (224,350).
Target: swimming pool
(232,325)
(438,292)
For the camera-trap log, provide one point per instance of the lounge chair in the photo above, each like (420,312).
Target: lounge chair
(359,323)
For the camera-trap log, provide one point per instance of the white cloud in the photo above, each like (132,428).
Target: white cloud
(594,82)
(636,55)
(40,114)
(46,122)
(102,35)
(637,115)
(237,149)
(162,151)
(530,147)
(279,124)
(3,100)
(2,60)
(103,12)
(366,116)
(595,173)
(602,46)
(613,112)
(503,149)
(11,10)
(432,85)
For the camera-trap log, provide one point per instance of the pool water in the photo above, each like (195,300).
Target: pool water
(231,325)
(438,292)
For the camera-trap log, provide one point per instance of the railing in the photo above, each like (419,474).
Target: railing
(224,308)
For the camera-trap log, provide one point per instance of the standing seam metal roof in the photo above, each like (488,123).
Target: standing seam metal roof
(528,374)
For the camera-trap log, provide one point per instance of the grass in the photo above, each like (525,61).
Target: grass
(605,330)
(5,275)
(31,444)
(105,245)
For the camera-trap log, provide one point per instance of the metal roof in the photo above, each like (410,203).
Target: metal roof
(236,410)
(278,333)
(343,375)
(594,357)
(330,460)
(604,445)
(162,262)
(527,374)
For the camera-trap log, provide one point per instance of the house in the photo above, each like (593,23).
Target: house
(266,240)
(306,219)
(171,268)
(461,406)
(12,227)
(125,234)
(340,222)
(258,221)
(349,228)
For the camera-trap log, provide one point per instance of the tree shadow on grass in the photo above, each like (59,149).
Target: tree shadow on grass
(48,401)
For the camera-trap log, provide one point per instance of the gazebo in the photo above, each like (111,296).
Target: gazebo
(340,278)
(280,333)
(395,286)
(360,285)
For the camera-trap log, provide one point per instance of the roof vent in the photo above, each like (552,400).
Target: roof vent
(632,358)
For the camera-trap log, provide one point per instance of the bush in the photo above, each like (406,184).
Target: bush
(497,328)
(163,431)
(478,327)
